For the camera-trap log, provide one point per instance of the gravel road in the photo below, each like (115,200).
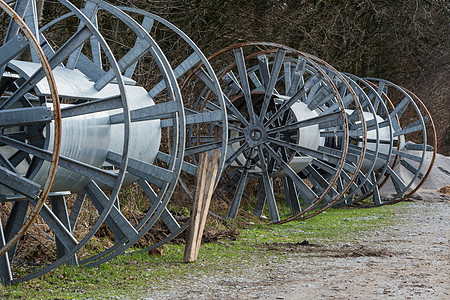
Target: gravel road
(406,260)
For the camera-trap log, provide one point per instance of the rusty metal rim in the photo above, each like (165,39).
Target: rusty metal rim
(57,136)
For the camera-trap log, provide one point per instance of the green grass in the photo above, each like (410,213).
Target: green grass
(139,273)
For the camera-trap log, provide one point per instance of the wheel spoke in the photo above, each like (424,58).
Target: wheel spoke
(61,232)
(25,116)
(243,76)
(90,10)
(325,156)
(197,118)
(59,209)
(416,158)
(149,172)
(413,127)
(232,82)
(232,212)
(411,168)
(254,78)
(147,24)
(15,221)
(7,164)
(305,191)
(320,98)
(400,109)
(179,71)
(76,210)
(260,200)
(276,68)
(297,77)
(210,146)
(264,69)
(398,183)
(287,76)
(186,167)
(93,107)
(12,49)
(152,112)
(19,183)
(290,192)
(131,57)
(268,188)
(118,224)
(321,182)
(210,84)
(324,121)
(418,147)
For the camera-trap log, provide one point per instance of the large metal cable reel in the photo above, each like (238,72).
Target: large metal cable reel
(14,183)
(57,219)
(204,117)
(414,135)
(107,108)
(216,114)
(159,182)
(385,141)
(293,101)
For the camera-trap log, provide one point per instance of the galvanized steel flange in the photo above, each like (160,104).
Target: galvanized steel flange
(26,106)
(280,122)
(195,143)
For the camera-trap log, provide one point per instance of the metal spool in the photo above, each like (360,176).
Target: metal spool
(98,120)
(300,114)
(410,120)
(195,143)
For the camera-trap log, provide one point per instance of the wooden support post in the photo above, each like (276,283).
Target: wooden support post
(206,177)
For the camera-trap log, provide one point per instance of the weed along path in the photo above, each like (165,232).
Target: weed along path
(405,256)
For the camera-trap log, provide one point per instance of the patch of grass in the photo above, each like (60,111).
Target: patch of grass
(139,273)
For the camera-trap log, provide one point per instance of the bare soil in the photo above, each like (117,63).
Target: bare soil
(406,260)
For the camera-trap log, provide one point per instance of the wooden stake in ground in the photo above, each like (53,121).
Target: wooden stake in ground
(206,177)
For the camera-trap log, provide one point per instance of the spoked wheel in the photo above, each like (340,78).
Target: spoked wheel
(413,135)
(380,145)
(195,140)
(287,126)
(23,116)
(157,125)
(102,145)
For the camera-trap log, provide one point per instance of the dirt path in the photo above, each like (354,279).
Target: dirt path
(408,260)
